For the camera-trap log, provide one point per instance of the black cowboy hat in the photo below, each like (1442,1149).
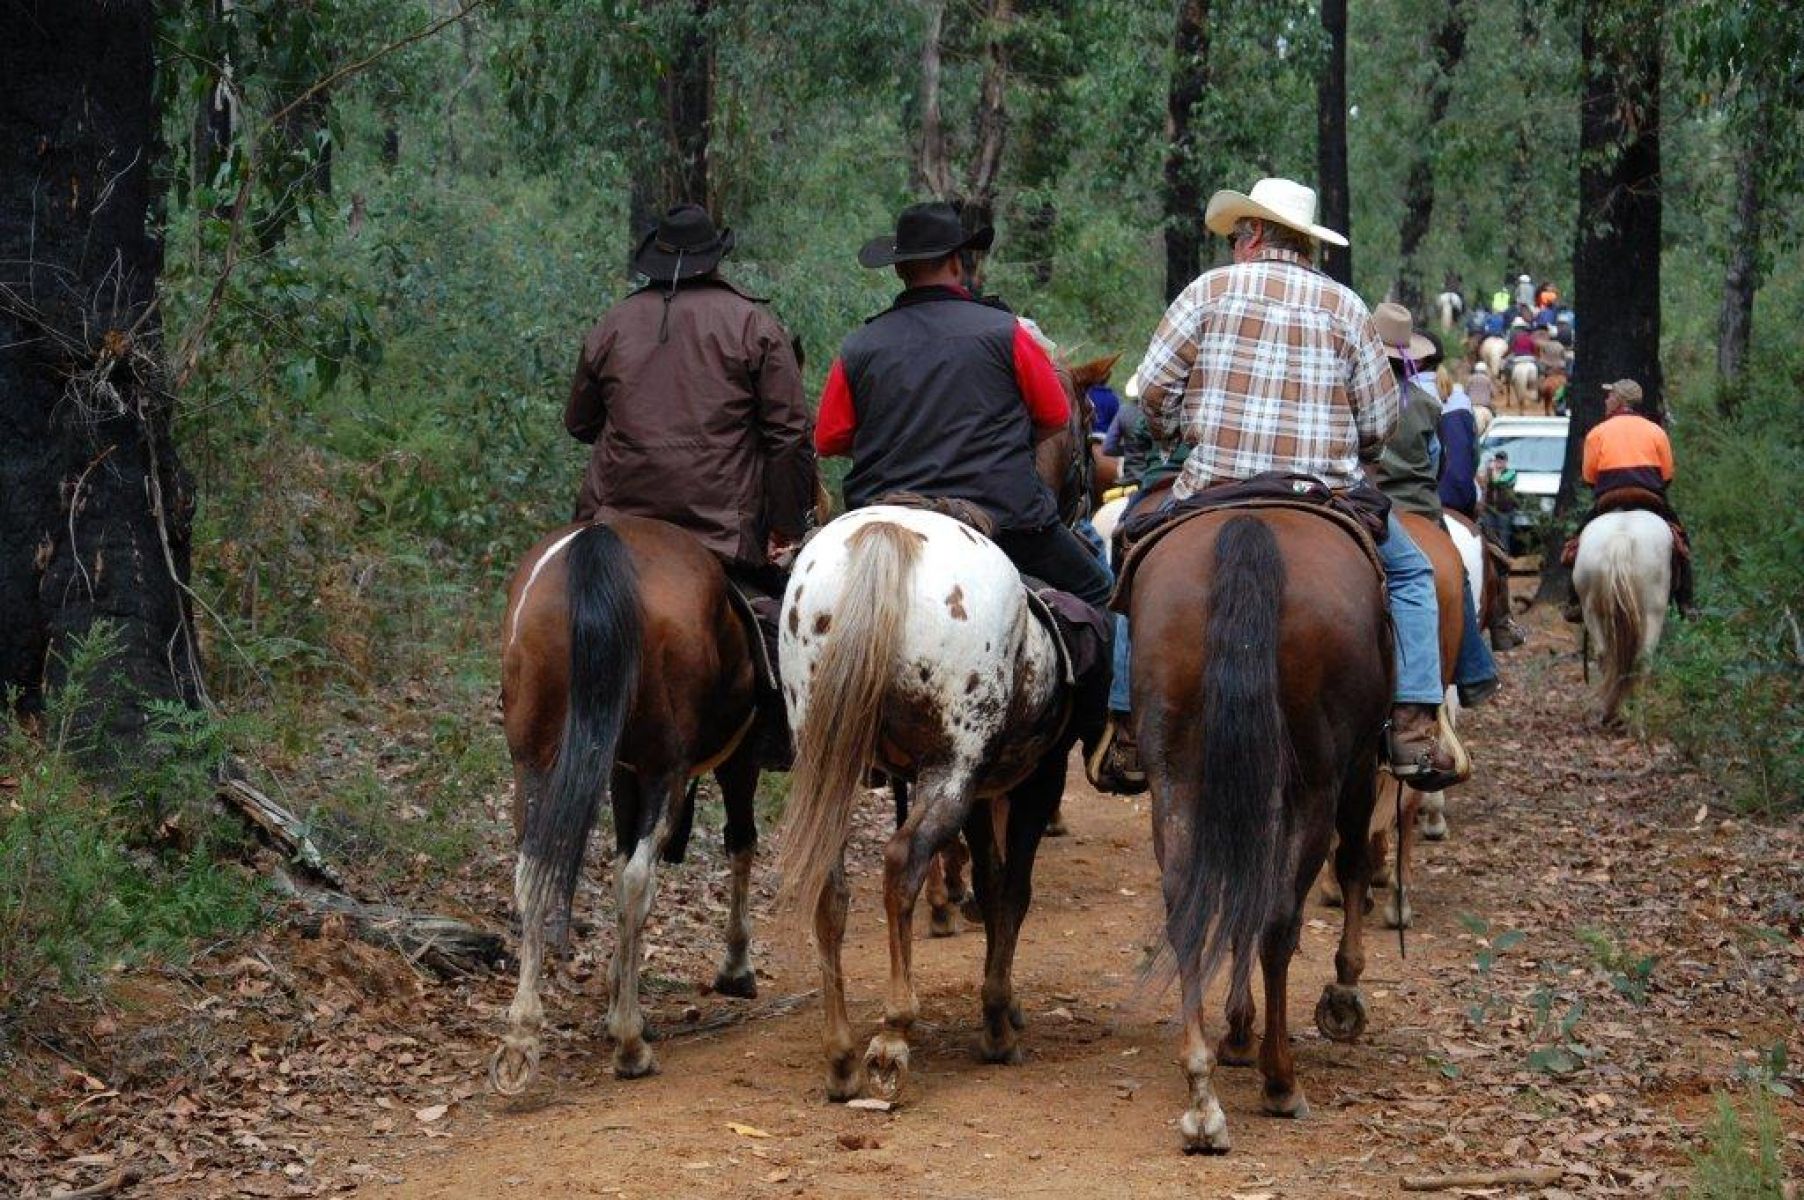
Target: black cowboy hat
(924,231)
(684,245)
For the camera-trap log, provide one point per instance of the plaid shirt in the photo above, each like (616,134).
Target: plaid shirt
(1269,366)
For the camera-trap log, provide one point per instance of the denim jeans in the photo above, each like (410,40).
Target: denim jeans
(1416,616)
(1056,557)
(1475,664)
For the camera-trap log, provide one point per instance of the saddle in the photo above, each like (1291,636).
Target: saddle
(1633,499)
(1362,513)
(965,512)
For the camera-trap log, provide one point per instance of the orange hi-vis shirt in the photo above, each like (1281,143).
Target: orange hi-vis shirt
(1627,450)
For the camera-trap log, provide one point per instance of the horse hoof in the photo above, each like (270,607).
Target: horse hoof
(1331,897)
(1290,1105)
(1398,916)
(1434,828)
(1230,1053)
(635,1064)
(1056,827)
(741,987)
(514,1065)
(1006,1054)
(941,924)
(1341,1013)
(1204,1133)
(886,1067)
(844,1080)
(968,909)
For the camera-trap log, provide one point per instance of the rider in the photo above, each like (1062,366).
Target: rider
(1269,365)
(1627,450)
(943,395)
(691,394)
(1406,471)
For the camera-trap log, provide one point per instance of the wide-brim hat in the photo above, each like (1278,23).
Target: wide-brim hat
(1281,201)
(925,231)
(684,244)
(1627,390)
(1399,335)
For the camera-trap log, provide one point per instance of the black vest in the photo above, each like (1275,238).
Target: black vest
(939,411)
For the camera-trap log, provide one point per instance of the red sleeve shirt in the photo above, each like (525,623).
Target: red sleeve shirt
(1041,393)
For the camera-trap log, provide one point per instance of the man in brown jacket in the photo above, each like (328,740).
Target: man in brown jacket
(691,394)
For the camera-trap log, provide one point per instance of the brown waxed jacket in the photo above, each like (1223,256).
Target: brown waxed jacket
(706,428)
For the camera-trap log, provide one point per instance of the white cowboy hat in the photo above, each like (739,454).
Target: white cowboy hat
(1281,201)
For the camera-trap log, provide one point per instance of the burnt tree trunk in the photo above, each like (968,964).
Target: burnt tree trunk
(1735,319)
(95,525)
(1616,256)
(687,90)
(1184,230)
(1331,142)
(1449,47)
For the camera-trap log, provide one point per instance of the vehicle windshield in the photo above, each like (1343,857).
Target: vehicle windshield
(1537,452)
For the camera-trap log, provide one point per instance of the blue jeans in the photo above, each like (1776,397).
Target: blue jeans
(1416,616)
(1475,664)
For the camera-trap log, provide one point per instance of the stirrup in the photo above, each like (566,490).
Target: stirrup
(1106,772)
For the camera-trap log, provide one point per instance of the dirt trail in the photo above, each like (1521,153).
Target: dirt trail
(1619,987)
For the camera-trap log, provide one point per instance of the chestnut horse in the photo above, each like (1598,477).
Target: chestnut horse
(908,644)
(626,671)
(1262,676)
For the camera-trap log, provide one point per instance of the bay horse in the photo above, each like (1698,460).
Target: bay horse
(1450,581)
(626,671)
(908,644)
(1623,574)
(1262,677)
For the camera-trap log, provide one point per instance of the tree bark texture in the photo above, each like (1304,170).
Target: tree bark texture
(1449,47)
(687,90)
(933,162)
(1616,257)
(95,525)
(1331,142)
(992,116)
(1735,319)
(1184,230)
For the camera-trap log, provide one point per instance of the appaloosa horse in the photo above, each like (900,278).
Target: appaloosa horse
(1262,674)
(908,644)
(1623,574)
(626,671)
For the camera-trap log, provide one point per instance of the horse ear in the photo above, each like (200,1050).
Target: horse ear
(1096,371)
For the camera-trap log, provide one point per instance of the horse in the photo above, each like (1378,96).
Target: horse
(1492,351)
(1525,387)
(1063,460)
(1399,820)
(1623,574)
(1107,518)
(1450,305)
(908,643)
(1260,704)
(626,672)
(1551,383)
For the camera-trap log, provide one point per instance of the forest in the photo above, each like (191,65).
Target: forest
(290,298)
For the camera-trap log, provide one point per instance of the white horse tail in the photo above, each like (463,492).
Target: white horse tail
(837,738)
(1524,380)
(1619,623)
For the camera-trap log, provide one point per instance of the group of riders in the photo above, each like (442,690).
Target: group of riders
(690,391)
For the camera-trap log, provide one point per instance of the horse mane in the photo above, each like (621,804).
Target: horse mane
(837,738)
(1096,370)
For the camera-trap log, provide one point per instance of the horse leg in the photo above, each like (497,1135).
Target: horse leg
(1397,911)
(515,1063)
(939,899)
(1341,1012)
(1030,809)
(1434,816)
(940,801)
(1203,1126)
(643,815)
(845,1075)
(738,779)
(1283,1098)
(1236,1048)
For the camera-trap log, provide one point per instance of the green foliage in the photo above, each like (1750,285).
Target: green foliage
(1741,1161)
(1630,973)
(98,872)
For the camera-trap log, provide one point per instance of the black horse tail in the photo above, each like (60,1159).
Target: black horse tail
(606,629)
(1233,879)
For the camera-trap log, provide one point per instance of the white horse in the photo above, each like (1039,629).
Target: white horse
(1624,576)
(1525,384)
(908,643)
(1472,558)
(1105,519)
(1491,352)
(1451,306)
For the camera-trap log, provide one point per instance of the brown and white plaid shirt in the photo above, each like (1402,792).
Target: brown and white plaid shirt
(1268,366)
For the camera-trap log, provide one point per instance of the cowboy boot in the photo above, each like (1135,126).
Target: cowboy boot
(1424,752)
(1113,765)
(1683,584)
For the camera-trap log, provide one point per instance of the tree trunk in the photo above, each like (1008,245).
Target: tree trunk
(1184,230)
(1331,142)
(1449,47)
(688,94)
(1616,257)
(992,116)
(1735,320)
(95,527)
(933,163)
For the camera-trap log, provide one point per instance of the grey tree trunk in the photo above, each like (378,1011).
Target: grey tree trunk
(1184,230)
(1735,319)
(1331,142)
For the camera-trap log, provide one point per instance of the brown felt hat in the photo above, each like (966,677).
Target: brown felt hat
(1627,390)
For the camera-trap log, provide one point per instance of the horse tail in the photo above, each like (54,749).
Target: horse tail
(1622,620)
(1233,882)
(606,631)
(838,735)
